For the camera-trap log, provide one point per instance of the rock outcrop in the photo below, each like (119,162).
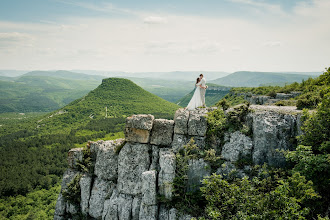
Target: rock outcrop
(129,175)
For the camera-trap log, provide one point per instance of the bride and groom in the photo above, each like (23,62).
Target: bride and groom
(198,98)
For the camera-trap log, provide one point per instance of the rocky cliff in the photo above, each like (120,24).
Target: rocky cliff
(123,179)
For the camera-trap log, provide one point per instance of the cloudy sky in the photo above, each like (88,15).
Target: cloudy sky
(158,35)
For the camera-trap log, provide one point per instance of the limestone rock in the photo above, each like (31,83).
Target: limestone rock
(167,172)
(136,204)
(106,166)
(181,121)
(272,131)
(197,124)
(162,132)
(238,147)
(148,212)
(60,206)
(100,191)
(143,122)
(179,141)
(57,217)
(167,214)
(124,206)
(110,209)
(74,155)
(199,141)
(85,186)
(72,208)
(138,128)
(149,190)
(197,170)
(155,158)
(133,160)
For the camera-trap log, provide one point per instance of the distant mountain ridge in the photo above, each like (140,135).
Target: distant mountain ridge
(255,79)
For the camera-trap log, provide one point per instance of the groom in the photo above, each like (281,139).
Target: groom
(203,88)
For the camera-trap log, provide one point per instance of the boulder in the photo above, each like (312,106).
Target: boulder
(133,160)
(85,187)
(166,173)
(197,170)
(240,146)
(101,190)
(181,121)
(162,132)
(197,124)
(106,166)
(138,128)
(74,155)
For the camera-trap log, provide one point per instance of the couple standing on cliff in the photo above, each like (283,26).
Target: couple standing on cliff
(198,99)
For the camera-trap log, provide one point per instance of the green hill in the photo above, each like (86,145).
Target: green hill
(33,151)
(43,91)
(213,94)
(254,79)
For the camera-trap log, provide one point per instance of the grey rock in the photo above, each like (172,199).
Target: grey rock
(124,207)
(179,141)
(167,214)
(149,190)
(155,158)
(197,124)
(74,155)
(259,100)
(181,121)
(72,208)
(136,208)
(284,96)
(228,169)
(101,190)
(110,208)
(167,172)
(106,166)
(143,122)
(85,186)
(199,141)
(57,217)
(138,128)
(148,212)
(272,131)
(162,132)
(60,206)
(133,160)
(197,170)
(238,147)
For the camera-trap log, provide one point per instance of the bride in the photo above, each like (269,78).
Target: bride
(196,100)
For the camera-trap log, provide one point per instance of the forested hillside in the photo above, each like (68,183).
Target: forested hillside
(254,79)
(43,91)
(33,155)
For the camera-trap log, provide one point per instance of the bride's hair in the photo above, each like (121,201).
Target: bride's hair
(197,80)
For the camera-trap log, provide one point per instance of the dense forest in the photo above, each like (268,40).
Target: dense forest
(33,151)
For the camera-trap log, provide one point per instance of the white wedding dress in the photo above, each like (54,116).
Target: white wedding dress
(196,100)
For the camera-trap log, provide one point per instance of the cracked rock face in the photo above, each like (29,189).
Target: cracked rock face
(74,155)
(106,166)
(100,191)
(133,160)
(197,124)
(238,146)
(166,173)
(181,121)
(197,170)
(272,132)
(162,132)
(85,187)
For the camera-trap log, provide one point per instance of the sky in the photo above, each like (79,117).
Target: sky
(172,35)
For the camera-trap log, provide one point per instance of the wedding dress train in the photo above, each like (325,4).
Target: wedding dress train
(196,100)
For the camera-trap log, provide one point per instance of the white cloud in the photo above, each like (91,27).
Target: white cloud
(155,20)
